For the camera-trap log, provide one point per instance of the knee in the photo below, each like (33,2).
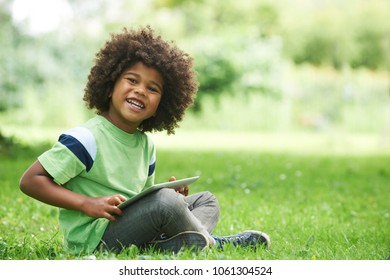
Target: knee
(209,200)
(214,203)
(169,199)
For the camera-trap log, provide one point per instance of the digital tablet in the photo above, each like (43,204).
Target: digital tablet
(155,187)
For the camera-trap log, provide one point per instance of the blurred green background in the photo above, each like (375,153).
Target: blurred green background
(302,75)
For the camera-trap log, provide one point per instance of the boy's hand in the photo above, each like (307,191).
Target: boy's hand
(103,207)
(183,189)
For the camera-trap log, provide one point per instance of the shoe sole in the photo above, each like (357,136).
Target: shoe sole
(189,239)
(264,238)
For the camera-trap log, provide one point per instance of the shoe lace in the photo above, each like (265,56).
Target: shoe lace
(238,239)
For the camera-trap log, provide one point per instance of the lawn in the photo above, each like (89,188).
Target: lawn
(328,207)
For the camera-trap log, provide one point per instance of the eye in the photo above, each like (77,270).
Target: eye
(132,80)
(153,89)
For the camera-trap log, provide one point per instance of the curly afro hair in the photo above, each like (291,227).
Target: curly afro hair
(132,46)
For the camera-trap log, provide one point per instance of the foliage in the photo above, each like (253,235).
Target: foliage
(251,58)
(334,33)
(14,66)
(352,33)
(5,144)
(37,62)
(218,75)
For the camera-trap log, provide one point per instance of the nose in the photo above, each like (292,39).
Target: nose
(139,91)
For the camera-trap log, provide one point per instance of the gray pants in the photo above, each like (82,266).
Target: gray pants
(164,211)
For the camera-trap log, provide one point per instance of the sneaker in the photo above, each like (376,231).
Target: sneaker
(248,238)
(187,239)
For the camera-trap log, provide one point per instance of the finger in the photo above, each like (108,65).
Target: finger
(172,178)
(112,212)
(117,211)
(109,217)
(116,199)
(182,190)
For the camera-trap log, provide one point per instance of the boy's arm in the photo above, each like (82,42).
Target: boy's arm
(37,183)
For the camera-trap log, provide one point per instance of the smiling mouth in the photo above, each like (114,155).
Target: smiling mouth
(135,104)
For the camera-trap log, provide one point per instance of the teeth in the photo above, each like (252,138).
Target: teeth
(136,103)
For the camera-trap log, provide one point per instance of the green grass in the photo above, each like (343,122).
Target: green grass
(313,207)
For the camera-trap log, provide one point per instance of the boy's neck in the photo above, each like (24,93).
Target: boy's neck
(126,128)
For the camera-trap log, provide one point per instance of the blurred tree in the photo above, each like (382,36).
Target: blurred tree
(237,45)
(266,17)
(370,50)
(14,71)
(371,35)
(228,44)
(216,75)
(173,3)
(338,33)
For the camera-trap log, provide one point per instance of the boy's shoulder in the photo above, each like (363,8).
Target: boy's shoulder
(80,135)
(86,134)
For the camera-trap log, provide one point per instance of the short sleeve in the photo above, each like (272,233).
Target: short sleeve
(61,163)
(74,153)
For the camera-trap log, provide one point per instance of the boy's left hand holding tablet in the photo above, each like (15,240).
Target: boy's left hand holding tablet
(183,189)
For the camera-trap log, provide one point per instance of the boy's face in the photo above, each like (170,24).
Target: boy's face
(135,97)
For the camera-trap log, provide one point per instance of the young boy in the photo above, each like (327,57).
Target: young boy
(140,83)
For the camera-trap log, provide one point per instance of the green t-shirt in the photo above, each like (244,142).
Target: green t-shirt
(97,159)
